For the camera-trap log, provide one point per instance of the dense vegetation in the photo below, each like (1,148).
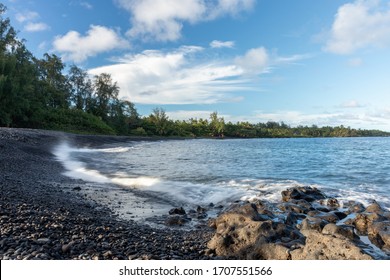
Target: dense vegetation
(37,93)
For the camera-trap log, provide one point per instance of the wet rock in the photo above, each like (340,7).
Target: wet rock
(177,211)
(77,188)
(379,234)
(291,207)
(306,193)
(177,220)
(354,207)
(328,247)
(340,231)
(374,208)
(365,220)
(312,223)
(294,218)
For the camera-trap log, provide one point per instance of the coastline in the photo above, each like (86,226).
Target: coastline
(44,216)
(42,220)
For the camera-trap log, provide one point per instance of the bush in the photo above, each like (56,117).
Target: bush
(76,121)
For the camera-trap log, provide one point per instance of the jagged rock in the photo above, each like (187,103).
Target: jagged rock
(177,211)
(329,217)
(177,220)
(306,193)
(374,208)
(293,218)
(328,247)
(312,223)
(291,207)
(365,220)
(340,230)
(243,234)
(379,234)
(354,207)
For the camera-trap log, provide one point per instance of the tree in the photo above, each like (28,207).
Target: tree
(106,94)
(81,88)
(217,125)
(54,83)
(160,121)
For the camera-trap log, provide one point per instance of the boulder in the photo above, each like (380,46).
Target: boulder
(312,223)
(328,247)
(374,208)
(379,234)
(306,193)
(242,233)
(340,231)
(177,220)
(364,220)
(177,211)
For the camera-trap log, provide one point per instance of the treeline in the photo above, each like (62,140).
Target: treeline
(44,93)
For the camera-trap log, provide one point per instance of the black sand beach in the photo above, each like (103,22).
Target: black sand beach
(43,217)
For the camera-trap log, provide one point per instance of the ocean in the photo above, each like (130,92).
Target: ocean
(157,176)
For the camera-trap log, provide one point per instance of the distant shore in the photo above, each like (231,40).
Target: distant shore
(44,216)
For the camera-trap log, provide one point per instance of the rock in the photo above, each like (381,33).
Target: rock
(306,193)
(241,234)
(374,208)
(379,234)
(77,188)
(291,207)
(177,220)
(363,220)
(66,247)
(177,211)
(340,231)
(293,218)
(200,210)
(354,207)
(328,247)
(312,223)
(43,240)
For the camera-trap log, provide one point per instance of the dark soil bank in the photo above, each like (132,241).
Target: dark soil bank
(44,216)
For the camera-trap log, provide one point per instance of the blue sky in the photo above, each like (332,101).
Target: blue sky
(302,62)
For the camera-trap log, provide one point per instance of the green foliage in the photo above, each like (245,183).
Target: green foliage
(74,120)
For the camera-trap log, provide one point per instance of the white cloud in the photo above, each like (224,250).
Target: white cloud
(36,27)
(157,77)
(357,25)
(75,47)
(26,16)
(351,104)
(220,44)
(186,76)
(162,20)
(255,61)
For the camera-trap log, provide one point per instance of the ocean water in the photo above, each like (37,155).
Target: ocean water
(203,171)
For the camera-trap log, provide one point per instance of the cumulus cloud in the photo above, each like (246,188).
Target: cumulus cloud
(75,47)
(186,75)
(255,61)
(174,77)
(357,25)
(36,27)
(220,44)
(162,20)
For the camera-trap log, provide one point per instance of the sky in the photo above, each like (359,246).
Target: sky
(303,62)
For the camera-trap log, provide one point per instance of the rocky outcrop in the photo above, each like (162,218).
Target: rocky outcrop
(305,226)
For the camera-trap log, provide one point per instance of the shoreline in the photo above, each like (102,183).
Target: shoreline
(42,220)
(44,216)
